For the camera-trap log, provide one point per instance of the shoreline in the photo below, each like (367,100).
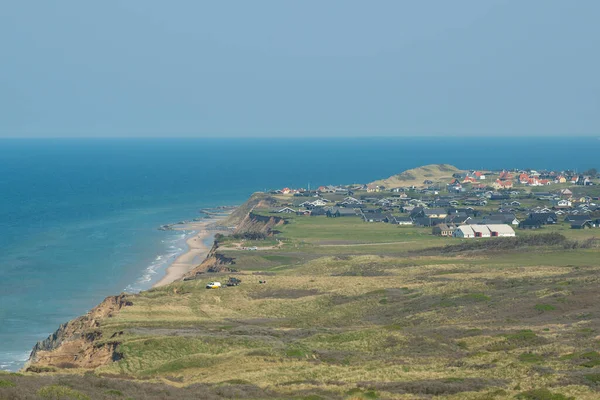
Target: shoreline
(195,253)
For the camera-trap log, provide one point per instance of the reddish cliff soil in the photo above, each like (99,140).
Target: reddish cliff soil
(79,343)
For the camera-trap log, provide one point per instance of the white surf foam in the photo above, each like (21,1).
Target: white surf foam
(175,246)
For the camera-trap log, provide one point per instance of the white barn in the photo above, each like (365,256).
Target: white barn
(501,230)
(464,231)
(481,231)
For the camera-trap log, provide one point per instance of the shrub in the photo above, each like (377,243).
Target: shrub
(594,378)
(236,382)
(545,239)
(544,307)
(358,394)
(59,392)
(522,338)
(435,387)
(250,236)
(6,384)
(530,357)
(296,352)
(476,297)
(591,359)
(542,394)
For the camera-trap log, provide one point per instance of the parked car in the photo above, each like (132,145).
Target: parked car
(213,285)
(233,281)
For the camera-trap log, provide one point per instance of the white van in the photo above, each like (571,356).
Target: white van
(213,285)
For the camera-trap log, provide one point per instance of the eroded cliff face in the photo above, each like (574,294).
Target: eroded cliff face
(214,262)
(257,200)
(259,223)
(79,343)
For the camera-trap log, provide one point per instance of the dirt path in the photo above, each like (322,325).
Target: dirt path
(362,244)
(239,247)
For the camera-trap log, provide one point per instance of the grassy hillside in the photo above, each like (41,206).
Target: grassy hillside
(438,173)
(353,310)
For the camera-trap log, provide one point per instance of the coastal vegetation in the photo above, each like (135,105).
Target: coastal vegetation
(338,308)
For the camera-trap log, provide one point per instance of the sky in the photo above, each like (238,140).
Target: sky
(308,68)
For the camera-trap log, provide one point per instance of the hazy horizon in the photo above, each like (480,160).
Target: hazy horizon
(499,68)
(366,137)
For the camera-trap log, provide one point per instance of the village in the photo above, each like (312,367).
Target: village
(472,204)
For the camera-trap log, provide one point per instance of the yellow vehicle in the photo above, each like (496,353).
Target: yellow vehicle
(213,285)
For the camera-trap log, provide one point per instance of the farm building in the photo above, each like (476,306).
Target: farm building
(485,231)
(481,231)
(464,231)
(501,230)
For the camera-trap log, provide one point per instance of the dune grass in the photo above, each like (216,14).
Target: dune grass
(459,326)
(357,310)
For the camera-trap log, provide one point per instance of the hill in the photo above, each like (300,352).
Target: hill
(437,173)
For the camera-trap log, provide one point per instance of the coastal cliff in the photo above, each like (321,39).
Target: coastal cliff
(254,223)
(214,262)
(251,224)
(76,344)
(256,200)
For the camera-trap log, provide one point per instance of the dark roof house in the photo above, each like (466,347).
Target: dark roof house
(544,218)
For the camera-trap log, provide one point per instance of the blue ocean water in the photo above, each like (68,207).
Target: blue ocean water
(78,218)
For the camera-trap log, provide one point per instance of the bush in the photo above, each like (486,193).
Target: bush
(591,359)
(477,297)
(435,387)
(544,307)
(594,378)
(545,239)
(542,394)
(59,392)
(250,236)
(6,384)
(531,357)
(521,338)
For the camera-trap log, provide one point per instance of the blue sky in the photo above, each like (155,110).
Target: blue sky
(299,68)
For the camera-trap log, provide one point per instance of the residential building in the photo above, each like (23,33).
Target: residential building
(443,230)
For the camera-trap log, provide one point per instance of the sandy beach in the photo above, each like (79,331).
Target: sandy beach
(197,251)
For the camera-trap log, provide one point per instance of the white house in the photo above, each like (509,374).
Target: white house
(464,231)
(501,230)
(319,202)
(351,200)
(286,210)
(562,203)
(481,231)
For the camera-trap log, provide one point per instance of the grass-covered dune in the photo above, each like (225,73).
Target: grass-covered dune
(417,176)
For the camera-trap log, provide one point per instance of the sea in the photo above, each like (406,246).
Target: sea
(79,217)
